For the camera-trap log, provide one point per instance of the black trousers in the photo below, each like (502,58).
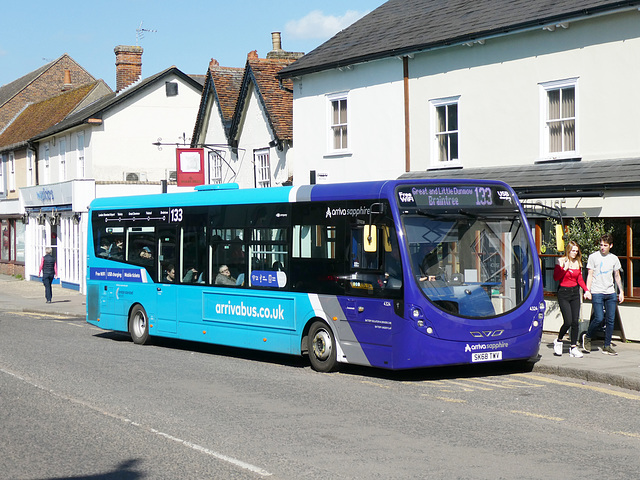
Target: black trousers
(569,302)
(47,280)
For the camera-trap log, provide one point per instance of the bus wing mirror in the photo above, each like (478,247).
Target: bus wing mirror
(559,238)
(370,238)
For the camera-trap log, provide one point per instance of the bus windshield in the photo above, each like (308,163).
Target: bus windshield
(476,265)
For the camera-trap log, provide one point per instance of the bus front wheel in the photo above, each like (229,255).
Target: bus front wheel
(322,347)
(139,325)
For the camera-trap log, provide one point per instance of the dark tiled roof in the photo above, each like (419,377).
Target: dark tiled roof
(552,177)
(96,109)
(277,100)
(226,82)
(401,27)
(222,86)
(40,116)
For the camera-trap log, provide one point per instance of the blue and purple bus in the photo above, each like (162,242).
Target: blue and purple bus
(392,274)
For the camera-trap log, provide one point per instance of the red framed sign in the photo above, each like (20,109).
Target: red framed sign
(190,166)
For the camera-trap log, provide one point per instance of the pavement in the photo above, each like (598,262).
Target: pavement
(622,370)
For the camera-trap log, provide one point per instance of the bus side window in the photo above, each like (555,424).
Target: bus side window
(268,252)
(227,249)
(194,252)
(167,256)
(317,259)
(141,248)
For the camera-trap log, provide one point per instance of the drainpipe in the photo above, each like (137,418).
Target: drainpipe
(407,136)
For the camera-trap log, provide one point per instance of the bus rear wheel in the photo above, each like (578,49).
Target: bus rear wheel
(139,325)
(322,348)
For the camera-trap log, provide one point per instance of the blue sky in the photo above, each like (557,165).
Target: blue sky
(185,34)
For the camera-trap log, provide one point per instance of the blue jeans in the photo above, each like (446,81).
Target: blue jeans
(604,308)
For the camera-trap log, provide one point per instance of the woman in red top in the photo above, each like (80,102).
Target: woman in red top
(568,272)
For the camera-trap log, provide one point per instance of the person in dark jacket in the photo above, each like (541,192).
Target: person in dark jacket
(48,270)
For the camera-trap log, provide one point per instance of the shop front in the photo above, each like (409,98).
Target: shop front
(56,217)
(12,235)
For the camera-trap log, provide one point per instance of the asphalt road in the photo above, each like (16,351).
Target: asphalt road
(78,402)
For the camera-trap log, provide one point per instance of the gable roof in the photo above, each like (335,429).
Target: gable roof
(41,116)
(403,27)
(96,109)
(276,98)
(10,90)
(224,84)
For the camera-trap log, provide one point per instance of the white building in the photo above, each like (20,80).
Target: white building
(123,144)
(542,96)
(245,121)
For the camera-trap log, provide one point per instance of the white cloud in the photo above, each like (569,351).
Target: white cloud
(318,25)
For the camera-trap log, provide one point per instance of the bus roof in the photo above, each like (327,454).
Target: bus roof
(230,194)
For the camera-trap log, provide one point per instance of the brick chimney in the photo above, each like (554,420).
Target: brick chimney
(67,85)
(278,52)
(276,40)
(128,65)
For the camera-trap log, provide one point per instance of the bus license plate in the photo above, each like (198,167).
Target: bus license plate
(486,356)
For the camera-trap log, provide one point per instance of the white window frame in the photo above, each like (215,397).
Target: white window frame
(215,168)
(12,172)
(2,185)
(30,176)
(262,162)
(331,125)
(545,88)
(436,135)
(47,162)
(80,149)
(62,157)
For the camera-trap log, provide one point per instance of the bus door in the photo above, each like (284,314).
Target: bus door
(166,290)
(375,281)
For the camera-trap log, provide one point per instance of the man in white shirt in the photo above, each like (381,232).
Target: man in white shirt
(603,267)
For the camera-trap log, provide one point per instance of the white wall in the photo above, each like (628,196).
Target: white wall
(375,123)
(254,133)
(500,117)
(124,141)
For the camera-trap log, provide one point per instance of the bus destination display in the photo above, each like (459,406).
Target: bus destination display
(454,196)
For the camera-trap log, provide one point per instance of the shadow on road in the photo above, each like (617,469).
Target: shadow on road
(124,471)
(294,361)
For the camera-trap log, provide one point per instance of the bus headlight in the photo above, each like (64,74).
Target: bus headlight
(416,313)
(543,306)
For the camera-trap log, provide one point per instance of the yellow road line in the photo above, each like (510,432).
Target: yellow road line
(537,415)
(628,434)
(485,382)
(446,399)
(468,388)
(524,384)
(628,396)
(375,384)
(41,315)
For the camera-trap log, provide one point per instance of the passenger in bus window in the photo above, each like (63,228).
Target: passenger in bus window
(105,247)
(115,250)
(224,276)
(431,268)
(171,274)
(145,255)
(191,276)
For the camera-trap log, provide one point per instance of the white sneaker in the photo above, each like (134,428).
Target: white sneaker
(574,352)
(557,347)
